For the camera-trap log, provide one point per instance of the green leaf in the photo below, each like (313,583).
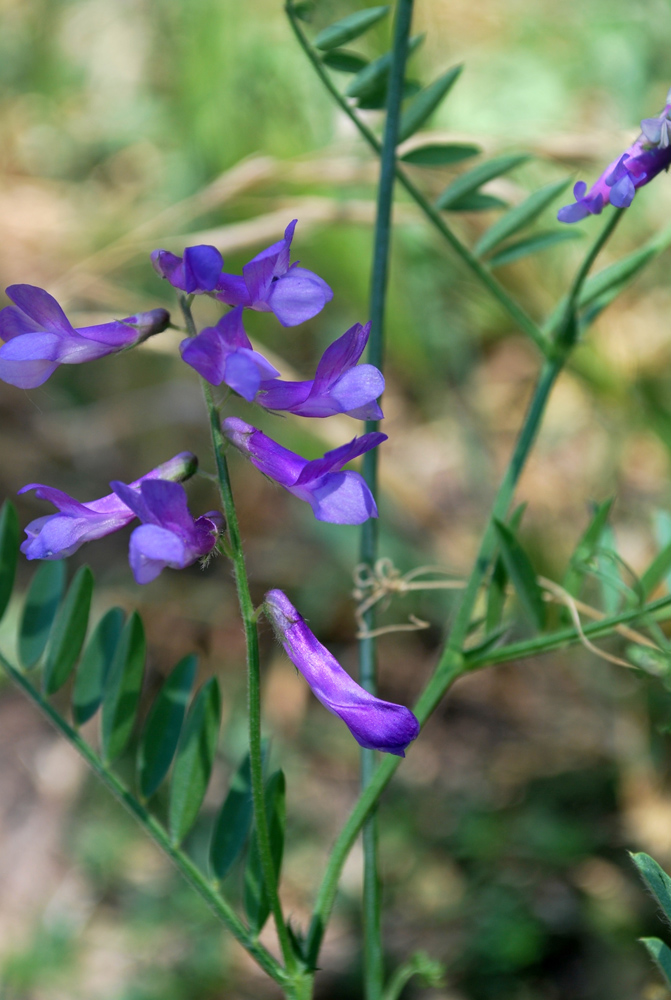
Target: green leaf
(440,154)
(657,570)
(257,904)
(349,28)
(377,99)
(426,102)
(94,666)
(656,879)
(69,631)
(521,573)
(44,596)
(195,757)
(477,202)
(122,690)
(660,953)
(608,572)
(375,75)
(233,823)
(533,244)
(496,594)
(344,61)
(519,217)
(9,552)
(303,9)
(164,724)
(616,276)
(470,181)
(586,547)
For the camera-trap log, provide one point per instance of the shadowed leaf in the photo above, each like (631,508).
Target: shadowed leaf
(233,823)
(470,181)
(496,593)
(44,596)
(586,547)
(344,61)
(440,154)
(9,552)
(122,690)
(376,73)
(521,573)
(94,666)
(257,904)
(69,631)
(164,725)
(195,756)
(425,103)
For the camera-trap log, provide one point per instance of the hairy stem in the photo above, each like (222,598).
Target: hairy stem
(373,950)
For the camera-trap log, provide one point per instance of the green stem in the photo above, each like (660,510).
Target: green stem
(372,921)
(154,829)
(513,308)
(248,615)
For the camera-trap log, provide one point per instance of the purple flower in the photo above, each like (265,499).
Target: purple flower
(38,336)
(223,353)
(374,724)
(57,536)
(637,166)
(269,284)
(335,496)
(168,535)
(197,271)
(339,385)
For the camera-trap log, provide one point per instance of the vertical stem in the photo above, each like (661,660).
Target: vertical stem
(373,952)
(247,613)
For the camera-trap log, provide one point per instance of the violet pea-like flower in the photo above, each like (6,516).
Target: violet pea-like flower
(56,536)
(335,496)
(374,723)
(270,284)
(223,353)
(39,337)
(168,535)
(197,271)
(340,384)
(637,166)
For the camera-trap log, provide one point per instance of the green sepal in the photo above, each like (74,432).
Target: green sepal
(163,726)
(42,600)
(470,181)
(122,691)
(519,217)
(193,762)
(522,575)
(440,154)
(93,668)
(426,102)
(349,28)
(68,631)
(545,240)
(9,552)
(257,904)
(233,822)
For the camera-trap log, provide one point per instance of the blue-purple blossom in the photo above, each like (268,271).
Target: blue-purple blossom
(335,496)
(56,536)
(374,724)
(168,535)
(197,271)
(39,337)
(637,166)
(223,353)
(340,385)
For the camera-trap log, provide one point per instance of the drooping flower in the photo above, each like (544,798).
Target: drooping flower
(38,336)
(374,724)
(637,166)
(335,496)
(56,536)
(197,271)
(339,385)
(168,535)
(270,284)
(223,353)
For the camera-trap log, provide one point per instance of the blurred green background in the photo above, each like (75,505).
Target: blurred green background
(130,125)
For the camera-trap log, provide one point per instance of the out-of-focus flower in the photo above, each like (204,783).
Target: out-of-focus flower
(223,353)
(270,284)
(335,496)
(39,337)
(56,536)
(168,535)
(197,271)
(339,385)
(374,724)
(637,166)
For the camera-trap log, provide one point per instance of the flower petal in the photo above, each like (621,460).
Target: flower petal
(268,456)
(41,307)
(339,498)
(341,355)
(206,354)
(298,296)
(151,549)
(335,459)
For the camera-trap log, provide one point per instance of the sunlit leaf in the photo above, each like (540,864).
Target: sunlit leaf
(257,904)
(533,244)
(69,631)
(521,573)
(164,725)
(470,181)
(344,61)
(376,73)
(233,823)
(87,692)
(9,552)
(122,690)
(44,596)
(656,879)
(349,28)
(519,217)
(440,154)
(660,953)
(194,760)
(425,103)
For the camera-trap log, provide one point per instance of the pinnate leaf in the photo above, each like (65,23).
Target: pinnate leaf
(44,596)
(521,573)
(195,757)
(257,904)
(69,631)
(87,693)
(440,154)
(470,181)
(122,690)
(426,102)
(349,28)
(9,552)
(164,725)
(233,823)
(519,217)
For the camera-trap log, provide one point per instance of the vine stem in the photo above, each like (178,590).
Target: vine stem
(247,613)
(373,953)
(153,828)
(451,663)
(513,308)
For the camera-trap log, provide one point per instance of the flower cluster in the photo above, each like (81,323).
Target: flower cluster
(637,166)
